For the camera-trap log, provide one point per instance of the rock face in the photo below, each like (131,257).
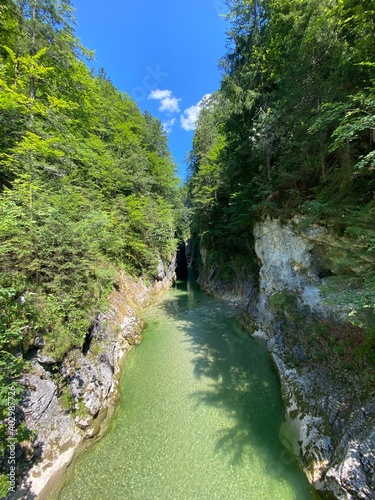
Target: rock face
(331,420)
(330,413)
(66,404)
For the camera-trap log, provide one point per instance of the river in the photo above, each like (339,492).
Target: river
(199,415)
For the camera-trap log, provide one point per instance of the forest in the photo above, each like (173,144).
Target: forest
(291,132)
(87,186)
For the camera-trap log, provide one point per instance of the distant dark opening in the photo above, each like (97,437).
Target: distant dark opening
(325,273)
(88,339)
(30,354)
(182,263)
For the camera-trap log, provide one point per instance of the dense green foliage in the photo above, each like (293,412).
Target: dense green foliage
(292,131)
(87,184)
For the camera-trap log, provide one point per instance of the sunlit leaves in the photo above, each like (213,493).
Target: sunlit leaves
(87,181)
(297,114)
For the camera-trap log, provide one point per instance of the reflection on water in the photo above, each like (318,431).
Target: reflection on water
(199,415)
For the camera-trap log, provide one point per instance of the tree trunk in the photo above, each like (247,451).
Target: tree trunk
(33,47)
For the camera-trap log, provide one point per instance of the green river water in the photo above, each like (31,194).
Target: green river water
(199,415)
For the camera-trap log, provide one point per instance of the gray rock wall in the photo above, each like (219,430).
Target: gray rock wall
(331,421)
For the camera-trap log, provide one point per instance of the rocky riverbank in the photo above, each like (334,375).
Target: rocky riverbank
(65,405)
(328,394)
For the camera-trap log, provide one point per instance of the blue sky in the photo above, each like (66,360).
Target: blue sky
(163,53)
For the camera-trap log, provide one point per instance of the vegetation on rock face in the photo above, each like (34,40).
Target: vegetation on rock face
(292,130)
(87,184)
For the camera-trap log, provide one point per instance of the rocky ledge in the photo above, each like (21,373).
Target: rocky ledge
(65,405)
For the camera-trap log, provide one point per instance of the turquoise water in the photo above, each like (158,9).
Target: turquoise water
(199,415)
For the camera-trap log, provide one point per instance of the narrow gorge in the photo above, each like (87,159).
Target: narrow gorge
(233,228)
(199,416)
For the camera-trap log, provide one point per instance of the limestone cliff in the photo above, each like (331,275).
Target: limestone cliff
(328,395)
(66,404)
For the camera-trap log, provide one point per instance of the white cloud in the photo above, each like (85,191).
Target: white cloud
(190,116)
(160,94)
(168,125)
(168,102)
(170,105)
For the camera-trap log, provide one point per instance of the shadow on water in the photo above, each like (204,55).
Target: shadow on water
(242,382)
(199,417)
